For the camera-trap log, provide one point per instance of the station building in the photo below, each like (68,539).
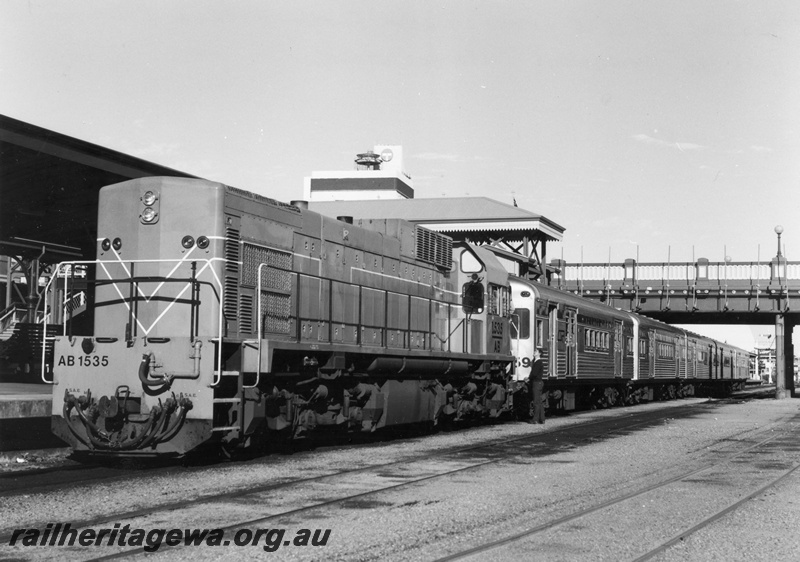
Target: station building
(380,188)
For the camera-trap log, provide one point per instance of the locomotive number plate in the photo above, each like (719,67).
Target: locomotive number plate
(82,361)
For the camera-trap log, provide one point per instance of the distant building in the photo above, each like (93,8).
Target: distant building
(380,175)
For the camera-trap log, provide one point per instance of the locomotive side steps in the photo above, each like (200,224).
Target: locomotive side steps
(227,403)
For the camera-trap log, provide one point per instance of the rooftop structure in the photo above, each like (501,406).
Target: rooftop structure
(378,174)
(379,189)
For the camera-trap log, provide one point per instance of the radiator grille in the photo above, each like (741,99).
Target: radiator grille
(434,248)
(276,276)
(276,285)
(276,312)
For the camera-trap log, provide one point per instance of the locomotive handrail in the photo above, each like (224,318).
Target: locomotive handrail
(258,320)
(54,276)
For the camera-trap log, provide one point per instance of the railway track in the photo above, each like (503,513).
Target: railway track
(412,469)
(39,480)
(756,451)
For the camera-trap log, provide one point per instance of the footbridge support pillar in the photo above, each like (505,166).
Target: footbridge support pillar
(784,356)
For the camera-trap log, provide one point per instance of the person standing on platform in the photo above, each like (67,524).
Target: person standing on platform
(536,384)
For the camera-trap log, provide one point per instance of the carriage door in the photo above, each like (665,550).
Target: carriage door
(552,353)
(618,348)
(571,341)
(651,354)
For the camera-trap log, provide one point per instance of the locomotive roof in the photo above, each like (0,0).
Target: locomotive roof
(450,215)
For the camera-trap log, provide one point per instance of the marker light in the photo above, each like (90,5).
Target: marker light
(117,243)
(187,242)
(148,215)
(149,198)
(203,242)
(106,244)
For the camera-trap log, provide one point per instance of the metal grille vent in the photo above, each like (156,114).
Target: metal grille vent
(276,312)
(231,249)
(434,248)
(246,313)
(231,272)
(276,276)
(276,285)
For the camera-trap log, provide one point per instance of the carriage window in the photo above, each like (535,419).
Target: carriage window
(499,300)
(521,318)
(666,351)
(595,340)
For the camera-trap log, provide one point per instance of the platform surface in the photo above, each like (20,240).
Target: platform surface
(25,411)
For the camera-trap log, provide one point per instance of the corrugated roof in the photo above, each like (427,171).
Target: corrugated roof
(446,214)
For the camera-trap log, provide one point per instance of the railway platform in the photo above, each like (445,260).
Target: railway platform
(25,417)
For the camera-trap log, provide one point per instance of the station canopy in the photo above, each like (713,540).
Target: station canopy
(49,186)
(513,233)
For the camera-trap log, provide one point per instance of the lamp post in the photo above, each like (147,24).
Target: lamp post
(779,262)
(784,381)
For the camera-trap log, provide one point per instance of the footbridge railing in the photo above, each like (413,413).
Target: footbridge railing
(695,287)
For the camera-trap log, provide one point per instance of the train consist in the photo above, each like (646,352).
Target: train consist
(597,356)
(225,318)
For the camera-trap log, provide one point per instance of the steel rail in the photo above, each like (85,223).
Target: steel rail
(636,419)
(623,498)
(713,518)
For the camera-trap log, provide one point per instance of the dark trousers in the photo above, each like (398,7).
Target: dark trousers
(537,408)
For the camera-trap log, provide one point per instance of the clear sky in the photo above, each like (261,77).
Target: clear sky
(671,129)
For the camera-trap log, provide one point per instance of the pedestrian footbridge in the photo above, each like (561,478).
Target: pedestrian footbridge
(700,292)
(694,292)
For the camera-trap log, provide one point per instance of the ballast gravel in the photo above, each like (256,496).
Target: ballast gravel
(441,516)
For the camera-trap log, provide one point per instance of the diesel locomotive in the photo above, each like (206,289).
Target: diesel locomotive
(221,316)
(225,318)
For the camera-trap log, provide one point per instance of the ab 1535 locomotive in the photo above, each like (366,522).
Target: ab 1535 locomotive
(222,317)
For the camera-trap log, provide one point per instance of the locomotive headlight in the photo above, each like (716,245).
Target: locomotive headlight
(117,243)
(105,244)
(149,198)
(187,242)
(148,215)
(203,242)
